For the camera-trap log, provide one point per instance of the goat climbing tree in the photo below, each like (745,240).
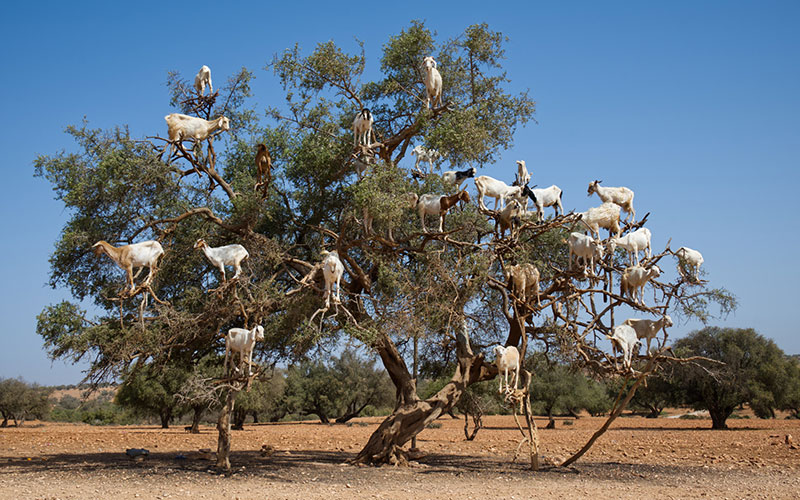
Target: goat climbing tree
(446,289)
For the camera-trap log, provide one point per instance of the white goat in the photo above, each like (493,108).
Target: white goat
(422,154)
(362,128)
(523,280)
(228,255)
(332,271)
(633,243)
(243,341)
(523,177)
(547,197)
(586,248)
(693,258)
(202,79)
(182,127)
(507,358)
(456,177)
(499,190)
(634,279)
(623,337)
(648,329)
(433,82)
(508,218)
(622,196)
(142,254)
(605,216)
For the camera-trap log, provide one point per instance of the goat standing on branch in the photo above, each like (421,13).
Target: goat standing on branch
(523,279)
(454,177)
(632,242)
(648,329)
(621,196)
(332,271)
(433,83)
(509,218)
(243,341)
(202,79)
(422,154)
(507,358)
(362,128)
(624,338)
(229,255)
(634,279)
(693,258)
(605,216)
(263,168)
(586,248)
(143,254)
(523,177)
(499,190)
(182,127)
(547,197)
(434,204)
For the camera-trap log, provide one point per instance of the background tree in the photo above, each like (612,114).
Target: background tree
(755,371)
(152,392)
(262,401)
(20,401)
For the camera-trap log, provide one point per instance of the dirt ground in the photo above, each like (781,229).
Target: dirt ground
(636,458)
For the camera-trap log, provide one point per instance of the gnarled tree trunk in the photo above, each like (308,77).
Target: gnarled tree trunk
(224,428)
(412,414)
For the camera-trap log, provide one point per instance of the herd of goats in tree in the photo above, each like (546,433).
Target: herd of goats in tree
(593,256)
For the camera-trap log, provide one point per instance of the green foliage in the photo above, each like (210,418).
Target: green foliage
(151,391)
(20,401)
(755,371)
(557,389)
(339,390)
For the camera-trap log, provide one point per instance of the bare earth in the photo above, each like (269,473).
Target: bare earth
(636,458)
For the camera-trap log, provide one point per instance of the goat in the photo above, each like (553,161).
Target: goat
(499,190)
(142,254)
(182,127)
(634,279)
(507,358)
(202,79)
(605,216)
(332,271)
(633,243)
(621,196)
(523,177)
(422,154)
(691,257)
(433,82)
(586,248)
(458,177)
(508,217)
(243,341)
(263,167)
(648,329)
(623,337)
(523,279)
(362,128)
(229,255)
(434,204)
(547,197)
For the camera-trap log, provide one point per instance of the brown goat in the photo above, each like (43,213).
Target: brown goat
(264,168)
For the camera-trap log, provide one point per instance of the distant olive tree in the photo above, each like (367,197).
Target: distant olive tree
(20,401)
(754,371)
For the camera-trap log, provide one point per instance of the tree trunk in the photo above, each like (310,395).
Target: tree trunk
(198,414)
(411,414)
(239,416)
(5,421)
(718,418)
(255,417)
(165,416)
(352,414)
(224,428)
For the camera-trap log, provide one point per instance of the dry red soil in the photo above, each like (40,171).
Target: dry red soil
(636,458)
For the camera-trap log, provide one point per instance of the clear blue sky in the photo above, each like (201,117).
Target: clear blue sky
(694,105)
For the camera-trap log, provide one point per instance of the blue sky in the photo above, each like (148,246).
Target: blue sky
(694,105)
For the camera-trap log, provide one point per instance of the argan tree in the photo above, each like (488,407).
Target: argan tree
(446,292)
